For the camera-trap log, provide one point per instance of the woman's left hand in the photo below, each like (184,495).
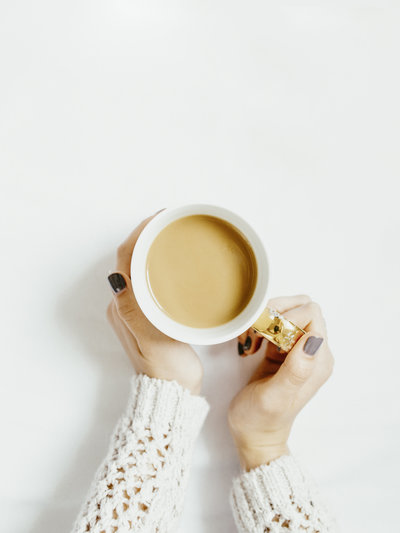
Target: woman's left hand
(262,413)
(150,351)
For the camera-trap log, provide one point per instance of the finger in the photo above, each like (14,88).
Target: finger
(321,374)
(242,338)
(124,334)
(126,305)
(280,304)
(274,353)
(125,249)
(266,370)
(284,303)
(271,362)
(308,317)
(253,342)
(249,342)
(299,363)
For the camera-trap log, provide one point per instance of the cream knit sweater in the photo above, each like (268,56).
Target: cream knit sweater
(141,483)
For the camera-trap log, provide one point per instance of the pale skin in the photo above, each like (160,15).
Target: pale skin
(150,351)
(261,414)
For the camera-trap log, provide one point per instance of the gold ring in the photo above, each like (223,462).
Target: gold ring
(278,329)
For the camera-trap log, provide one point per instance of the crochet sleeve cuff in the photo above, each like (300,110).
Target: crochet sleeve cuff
(165,405)
(141,483)
(277,498)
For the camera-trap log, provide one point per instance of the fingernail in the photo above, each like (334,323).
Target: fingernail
(247,343)
(117,282)
(240,348)
(312,344)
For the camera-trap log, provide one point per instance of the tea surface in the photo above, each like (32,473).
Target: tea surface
(201,271)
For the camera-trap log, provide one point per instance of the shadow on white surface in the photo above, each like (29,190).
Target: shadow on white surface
(81,310)
(215,460)
(215,482)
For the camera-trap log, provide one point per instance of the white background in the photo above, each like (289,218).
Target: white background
(113,110)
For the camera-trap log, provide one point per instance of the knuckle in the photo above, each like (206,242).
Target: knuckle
(297,375)
(298,370)
(125,310)
(278,302)
(315,308)
(296,378)
(316,312)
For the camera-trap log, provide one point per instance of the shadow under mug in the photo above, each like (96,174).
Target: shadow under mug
(267,322)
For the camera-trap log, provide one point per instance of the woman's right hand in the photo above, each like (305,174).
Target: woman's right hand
(151,352)
(261,415)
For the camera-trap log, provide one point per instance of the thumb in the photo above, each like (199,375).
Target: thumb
(300,362)
(124,298)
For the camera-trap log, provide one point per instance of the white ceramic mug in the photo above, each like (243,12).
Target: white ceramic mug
(254,314)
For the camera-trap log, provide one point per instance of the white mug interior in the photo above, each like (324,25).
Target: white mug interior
(163,322)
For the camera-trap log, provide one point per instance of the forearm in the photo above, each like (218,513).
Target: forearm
(278,498)
(140,484)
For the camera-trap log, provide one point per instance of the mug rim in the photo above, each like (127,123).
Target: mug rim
(148,304)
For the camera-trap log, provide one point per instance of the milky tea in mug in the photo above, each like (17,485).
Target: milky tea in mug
(201,271)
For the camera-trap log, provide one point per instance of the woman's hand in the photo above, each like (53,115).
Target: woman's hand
(150,351)
(261,415)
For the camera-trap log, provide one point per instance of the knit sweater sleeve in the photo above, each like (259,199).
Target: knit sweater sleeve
(278,498)
(141,483)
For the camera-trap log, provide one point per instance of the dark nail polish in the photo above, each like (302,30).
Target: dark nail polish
(312,344)
(247,343)
(240,348)
(117,282)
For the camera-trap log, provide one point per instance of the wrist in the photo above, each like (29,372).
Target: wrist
(252,457)
(193,384)
(257,448)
